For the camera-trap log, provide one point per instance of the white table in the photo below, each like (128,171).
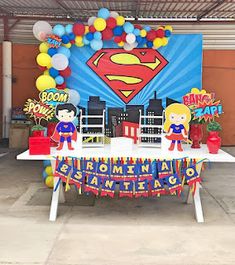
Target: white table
(136,152)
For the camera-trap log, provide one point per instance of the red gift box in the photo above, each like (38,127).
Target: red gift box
(39,145)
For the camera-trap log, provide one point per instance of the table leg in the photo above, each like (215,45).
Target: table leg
(196,198)
(57,196)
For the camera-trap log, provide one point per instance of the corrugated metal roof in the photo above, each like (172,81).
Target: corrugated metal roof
(216,35)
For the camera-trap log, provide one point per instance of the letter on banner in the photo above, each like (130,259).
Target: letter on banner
(117,172)
(126,189)
(77,177)
(90,167)
(103,170)
(141,188)
(108,188)
(93,184)
(191,175)
(145,171)
(130,172)
(174,183)
(62,171)
(164,168)
(157,187)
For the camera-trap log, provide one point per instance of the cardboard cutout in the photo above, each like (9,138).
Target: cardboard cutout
(65,130)
(176,124)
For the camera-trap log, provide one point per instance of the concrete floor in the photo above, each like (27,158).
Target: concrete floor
(154,231)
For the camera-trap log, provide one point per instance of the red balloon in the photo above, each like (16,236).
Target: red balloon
(117,39)
(78,29)
(123,36)
(66,72)
(92,29)
(160,33)
(62,86)
(151,35)
(42,68)
(72,41)
(138,26)
(111,22)
(107,34)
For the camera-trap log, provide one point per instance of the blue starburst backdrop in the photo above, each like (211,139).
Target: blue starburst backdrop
(183,72)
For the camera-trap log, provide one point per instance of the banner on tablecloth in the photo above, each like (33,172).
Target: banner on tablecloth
(144,178)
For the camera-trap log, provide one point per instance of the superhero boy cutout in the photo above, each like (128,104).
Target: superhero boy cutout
(65,130)
(176,124)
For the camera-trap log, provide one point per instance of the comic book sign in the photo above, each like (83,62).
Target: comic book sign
(127,72)
(203,104)
(53,96)
(54,41)
(38,110)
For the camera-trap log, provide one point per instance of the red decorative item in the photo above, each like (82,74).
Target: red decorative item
(66,72)
(117,39)
(39,145)
(111,22)
(213,142)
(50,130)
(92,29)
(78,29)
(62,86)
(160,33)
(37,133)
(151,35)
(196,135)
(107,34)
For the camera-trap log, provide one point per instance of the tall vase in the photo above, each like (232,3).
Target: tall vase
(196,135)
(50,130)
(213,142)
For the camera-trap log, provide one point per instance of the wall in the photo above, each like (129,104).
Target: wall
(218,76)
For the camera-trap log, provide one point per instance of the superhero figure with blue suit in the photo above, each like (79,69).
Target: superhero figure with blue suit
(65,130)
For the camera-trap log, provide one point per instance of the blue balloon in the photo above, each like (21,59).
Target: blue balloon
(59,80)
(149,44)
(89,36)
(65,39)
(44,175)
(59,30)
(136,32)
(128,27)
(117,31)
(64,50)
(71,36)
(46,163)
(97,35)
(85,40)
(167,33)
(147,28)
(52,51)
(69,28)
(53,72)
(139,39)
(103,13)
(96,44)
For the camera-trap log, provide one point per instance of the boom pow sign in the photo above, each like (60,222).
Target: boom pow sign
(38,110)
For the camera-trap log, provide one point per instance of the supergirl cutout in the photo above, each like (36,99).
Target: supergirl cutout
(65,130)
(176,124)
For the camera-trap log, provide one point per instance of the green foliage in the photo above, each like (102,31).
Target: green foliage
(37,127)
(213,126)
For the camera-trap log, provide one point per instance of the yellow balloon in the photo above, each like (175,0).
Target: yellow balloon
(43,59)
(203,91)
(46,72)
(79,44)
(164,41)
(49,181)
(45,81)
(86,29)
(100,24)
(120,20)
(43,47)
(67,45)
(121,44)
(49,170)
(143,33)
(49,66)
(78,39)
(195,90)
(157,42)
(168,27)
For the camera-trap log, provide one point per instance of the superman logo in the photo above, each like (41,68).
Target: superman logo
(127,72)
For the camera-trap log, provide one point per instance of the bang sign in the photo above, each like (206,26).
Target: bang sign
(54,41)
(38,110)
(53,96)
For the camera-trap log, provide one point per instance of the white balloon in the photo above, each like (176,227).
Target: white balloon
(41,29)
(59,61)
(114,14)
(91,21)
(74,97)
(128,47)
(130,38)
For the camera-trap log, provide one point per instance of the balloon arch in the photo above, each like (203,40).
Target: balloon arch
(56,42)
